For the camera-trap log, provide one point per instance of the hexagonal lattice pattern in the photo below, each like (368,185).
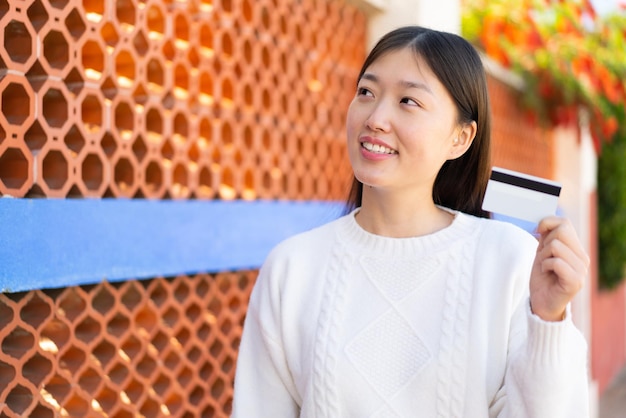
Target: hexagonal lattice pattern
(161,347)
(187,99)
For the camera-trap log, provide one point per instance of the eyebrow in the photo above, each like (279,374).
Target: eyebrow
(403,83)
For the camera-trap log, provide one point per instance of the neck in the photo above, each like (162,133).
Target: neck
(398,216)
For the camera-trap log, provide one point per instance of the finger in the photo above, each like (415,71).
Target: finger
(545,227)
(549,223)
(558,250)
(569,280)
(564,232)
(565,237)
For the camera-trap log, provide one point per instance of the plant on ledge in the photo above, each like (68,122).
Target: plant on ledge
(569,57)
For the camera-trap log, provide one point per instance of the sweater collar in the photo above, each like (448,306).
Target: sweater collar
(461,228)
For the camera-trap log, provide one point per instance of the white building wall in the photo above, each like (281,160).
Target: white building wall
(385,15)
(576,169)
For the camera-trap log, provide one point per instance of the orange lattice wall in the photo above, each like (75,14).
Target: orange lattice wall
(176,99)
(162,347)
(199,99)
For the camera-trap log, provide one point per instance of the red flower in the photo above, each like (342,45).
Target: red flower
(609,127)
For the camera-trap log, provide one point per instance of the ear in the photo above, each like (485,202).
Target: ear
(463,140)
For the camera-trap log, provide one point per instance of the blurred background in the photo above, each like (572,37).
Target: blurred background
(153,151)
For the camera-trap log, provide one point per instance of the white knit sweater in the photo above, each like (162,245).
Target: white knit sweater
(344,323)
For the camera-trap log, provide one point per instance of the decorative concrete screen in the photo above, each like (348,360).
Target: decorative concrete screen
(155,348)
(174,100)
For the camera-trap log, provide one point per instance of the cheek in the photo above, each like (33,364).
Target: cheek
(351,122)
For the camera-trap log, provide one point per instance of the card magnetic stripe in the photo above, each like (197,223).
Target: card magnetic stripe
(525,183)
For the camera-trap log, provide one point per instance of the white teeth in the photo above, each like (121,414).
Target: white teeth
(379,149)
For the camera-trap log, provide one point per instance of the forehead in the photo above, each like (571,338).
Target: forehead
(401,63)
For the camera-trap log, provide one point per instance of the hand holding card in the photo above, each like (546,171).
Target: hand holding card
(520,195)
(561,263)
(560,268)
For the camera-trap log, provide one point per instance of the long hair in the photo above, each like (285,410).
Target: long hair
(460,183)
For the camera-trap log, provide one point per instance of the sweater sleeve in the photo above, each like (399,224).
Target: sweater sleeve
(546,374)
(263,383)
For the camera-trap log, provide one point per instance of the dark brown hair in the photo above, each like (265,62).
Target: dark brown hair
(460,183)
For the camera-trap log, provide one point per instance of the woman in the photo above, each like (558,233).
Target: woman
(413,304)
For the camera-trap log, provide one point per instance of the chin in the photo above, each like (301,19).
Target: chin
(368,181)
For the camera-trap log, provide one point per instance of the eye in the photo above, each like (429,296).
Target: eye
(362,91)
(409,101)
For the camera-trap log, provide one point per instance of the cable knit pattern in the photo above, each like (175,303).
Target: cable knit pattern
(451,383)
(344,323)
(326,345)
(446,355)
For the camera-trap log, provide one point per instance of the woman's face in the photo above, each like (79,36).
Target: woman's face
(401,125)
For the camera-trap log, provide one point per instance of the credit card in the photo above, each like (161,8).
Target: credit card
(520,195)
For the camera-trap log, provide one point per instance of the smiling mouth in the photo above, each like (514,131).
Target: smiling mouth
(377,149)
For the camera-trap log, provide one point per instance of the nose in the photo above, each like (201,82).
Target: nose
(378,119)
